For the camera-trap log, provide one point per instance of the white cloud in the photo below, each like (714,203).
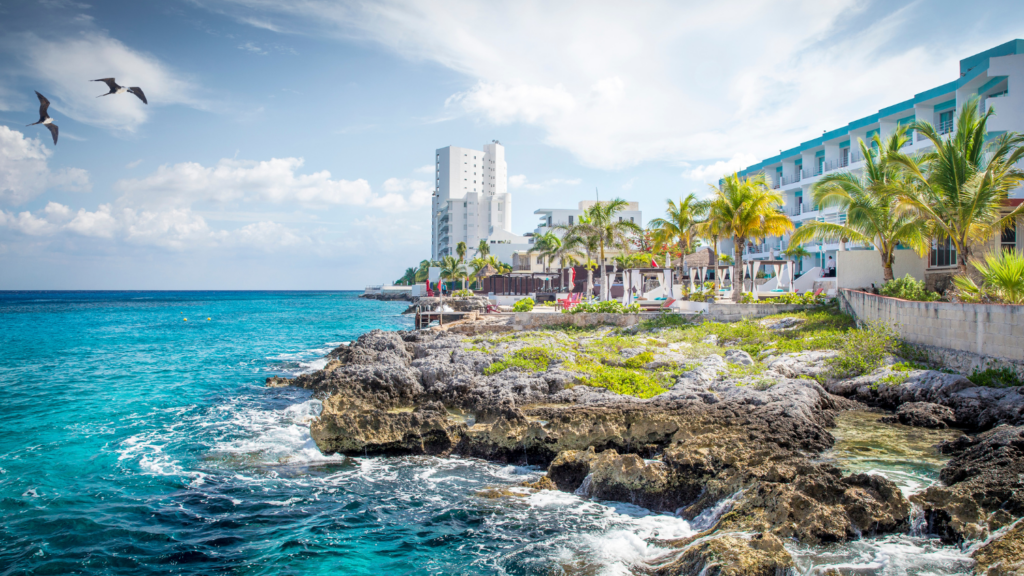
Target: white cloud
(428,169)
(133,164)
(65,65)
(521,181)
(251,47)
(629,183)
(273,181)
(712,172)
(617,86)
(419,193)
(24,170)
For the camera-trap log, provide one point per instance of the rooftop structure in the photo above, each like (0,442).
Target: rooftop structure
(551,217)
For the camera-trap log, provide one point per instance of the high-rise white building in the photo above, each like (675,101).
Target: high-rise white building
(471,199)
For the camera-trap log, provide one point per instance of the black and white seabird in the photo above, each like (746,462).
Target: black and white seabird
(44,118)
(117,89)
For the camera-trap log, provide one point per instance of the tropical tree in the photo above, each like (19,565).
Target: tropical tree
(747,208)
(581,238)
(452,270)
(679,226)
(964,182)
(710,228)
(870,202)
(1002,276)
(423,272)
(409,278)
(543,245)
(483,249)
(460,249)
(610,232)
(727,259)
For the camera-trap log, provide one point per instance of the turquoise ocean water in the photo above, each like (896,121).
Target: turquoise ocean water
(135,442)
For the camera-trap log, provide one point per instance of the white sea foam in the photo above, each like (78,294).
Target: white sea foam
(888,555)
(275,436)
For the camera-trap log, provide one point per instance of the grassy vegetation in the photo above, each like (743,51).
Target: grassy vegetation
(596,355)
(531,358)
(996,378)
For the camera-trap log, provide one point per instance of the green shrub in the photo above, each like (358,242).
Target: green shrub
(463,294)
(908,288)
(531,358)
(638,361)
(1003,280)
(864,350)
(637,383)
(996,378)
(703,294)
(524,305)
(665,320)
(604,307)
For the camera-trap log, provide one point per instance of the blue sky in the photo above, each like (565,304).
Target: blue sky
(289,145)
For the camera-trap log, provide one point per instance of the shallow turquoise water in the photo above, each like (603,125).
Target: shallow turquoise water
(133,441)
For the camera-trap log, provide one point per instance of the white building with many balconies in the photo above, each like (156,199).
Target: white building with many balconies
(471,199)
(995,76)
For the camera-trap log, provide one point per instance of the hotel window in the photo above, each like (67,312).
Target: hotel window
(846,156)
(570,220)
(943,253)
(500,206)
(1008,240)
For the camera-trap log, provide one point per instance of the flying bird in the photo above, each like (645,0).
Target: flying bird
(115,88)
(44,118)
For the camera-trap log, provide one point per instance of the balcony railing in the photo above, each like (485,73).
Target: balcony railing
(945,127)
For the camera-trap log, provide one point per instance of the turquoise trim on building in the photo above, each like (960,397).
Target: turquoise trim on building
(1011,47)
(889,111)
(970,68)
(905,121)
(870,134)
(990,84)
(844,144)
(799,162)
(819,154)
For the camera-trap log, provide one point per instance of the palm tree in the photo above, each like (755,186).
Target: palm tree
(610,232)
(582,239)
(452,270)
(543,245)
(710,228)
(460,249)
(409,278)
(748,208)
(964,183)
(483,249)
(423,272)
(870,202)
(679,226)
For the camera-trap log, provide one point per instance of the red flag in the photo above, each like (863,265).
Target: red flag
(439,291)
(572,279)
(654,263)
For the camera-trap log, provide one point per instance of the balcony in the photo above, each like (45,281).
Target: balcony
(945,127)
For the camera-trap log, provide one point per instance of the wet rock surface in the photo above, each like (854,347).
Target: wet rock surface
(923,415)
(734,454)
(730,555)
(983,485)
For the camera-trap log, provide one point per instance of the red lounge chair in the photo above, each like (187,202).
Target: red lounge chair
(492,309)
(818,292)
(668,303)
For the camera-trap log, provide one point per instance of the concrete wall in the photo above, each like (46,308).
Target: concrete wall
(534,320)
(987,330)
(737,312)
(861,268)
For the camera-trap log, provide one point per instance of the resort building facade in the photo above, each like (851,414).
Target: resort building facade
(995,76)
(471,199)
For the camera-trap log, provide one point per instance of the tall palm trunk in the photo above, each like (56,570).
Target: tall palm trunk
(737,287)
(604,275)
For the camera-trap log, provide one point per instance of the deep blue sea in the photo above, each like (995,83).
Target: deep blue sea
(136,437)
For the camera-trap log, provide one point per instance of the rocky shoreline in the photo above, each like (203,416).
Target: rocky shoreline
(730,441)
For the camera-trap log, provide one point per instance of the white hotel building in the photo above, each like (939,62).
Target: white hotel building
(471,199)
(996,76)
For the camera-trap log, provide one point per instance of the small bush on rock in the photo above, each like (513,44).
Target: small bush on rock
(604,307)
(463,294)
(864,350)
(996,378)
(524,305)
(638,361)
(908,288)
(531,358)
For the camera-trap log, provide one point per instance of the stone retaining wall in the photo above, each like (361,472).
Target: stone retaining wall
(979,335)
(737,312)
(534,320)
